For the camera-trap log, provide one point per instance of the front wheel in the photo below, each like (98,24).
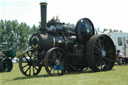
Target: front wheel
(27,63)
(54,61)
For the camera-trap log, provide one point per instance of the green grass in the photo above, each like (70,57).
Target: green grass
(117,76)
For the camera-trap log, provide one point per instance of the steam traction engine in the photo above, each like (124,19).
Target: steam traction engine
(60,50)
(6,57)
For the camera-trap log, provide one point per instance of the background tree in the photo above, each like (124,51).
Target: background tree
(14,35)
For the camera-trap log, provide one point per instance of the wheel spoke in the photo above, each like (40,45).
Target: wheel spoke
(26,59)
(27,69)
(103,39)
(36,68)
(33,70)
(50,61)
(28,54)
(108,59)
(32,53)
(98,53)
(51,68)
(53,71)
(98,62)
(105,64)
(97,48)
(60,57)
(109,52)
(99,43)
(97,57)
(101,66)
(25,65)
(55,51)
(107,45)
(58,52)
(53,55)
(30,71)
(102,44)
(58,72)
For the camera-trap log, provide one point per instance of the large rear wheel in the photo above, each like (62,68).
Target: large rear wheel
(100,53)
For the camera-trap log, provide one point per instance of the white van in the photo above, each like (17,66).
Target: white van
(121,42)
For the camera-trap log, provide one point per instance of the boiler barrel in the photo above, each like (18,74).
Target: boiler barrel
(41,41)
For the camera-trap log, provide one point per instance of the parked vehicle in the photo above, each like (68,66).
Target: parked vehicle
(15,60)
(6,57)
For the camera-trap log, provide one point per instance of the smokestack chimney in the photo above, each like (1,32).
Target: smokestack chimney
(43,6)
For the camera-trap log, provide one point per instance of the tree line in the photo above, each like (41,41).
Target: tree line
(14,35)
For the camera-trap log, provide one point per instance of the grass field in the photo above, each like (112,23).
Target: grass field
(117,76)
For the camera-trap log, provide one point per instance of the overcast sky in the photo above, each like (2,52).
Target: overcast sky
(103,13)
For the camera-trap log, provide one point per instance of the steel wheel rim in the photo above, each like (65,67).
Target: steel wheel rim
(26,64)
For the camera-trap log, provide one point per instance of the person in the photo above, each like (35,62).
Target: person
(119,54)
(120,58)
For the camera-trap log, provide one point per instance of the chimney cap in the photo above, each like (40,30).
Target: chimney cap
(43,3)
